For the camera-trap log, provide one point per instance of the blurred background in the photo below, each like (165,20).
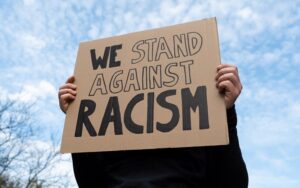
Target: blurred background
(38,47)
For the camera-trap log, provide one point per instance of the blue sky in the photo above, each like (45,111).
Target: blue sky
(39,41)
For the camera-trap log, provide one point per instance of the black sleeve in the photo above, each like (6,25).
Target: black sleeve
(225,164)
(231,117)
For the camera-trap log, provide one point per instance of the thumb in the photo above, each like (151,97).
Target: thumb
(71,79)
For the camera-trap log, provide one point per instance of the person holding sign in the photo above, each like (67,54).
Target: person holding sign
(212,166)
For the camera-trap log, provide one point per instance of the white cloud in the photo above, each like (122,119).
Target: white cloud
(245,13)
(32,44)
(31,92)
(28,2)
(93,32)
(3,93)
(294,110)
(268,179)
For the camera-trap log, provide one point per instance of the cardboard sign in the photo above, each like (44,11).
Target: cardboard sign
(146,90)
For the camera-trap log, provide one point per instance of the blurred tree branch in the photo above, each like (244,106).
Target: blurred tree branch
(20,153)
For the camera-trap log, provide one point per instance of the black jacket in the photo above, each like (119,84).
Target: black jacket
(217,166)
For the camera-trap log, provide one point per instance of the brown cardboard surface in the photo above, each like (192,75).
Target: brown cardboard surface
(156,90)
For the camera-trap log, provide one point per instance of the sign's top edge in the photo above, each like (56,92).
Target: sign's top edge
(211,19)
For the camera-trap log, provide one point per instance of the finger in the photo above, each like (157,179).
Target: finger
(67,90)
(221,66)
(225,70)
(228,89)
(231,77)
(68,86)
(71,79)
(225,86)
(67,97)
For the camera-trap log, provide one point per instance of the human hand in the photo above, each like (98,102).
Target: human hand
(228,83)
(67,94)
